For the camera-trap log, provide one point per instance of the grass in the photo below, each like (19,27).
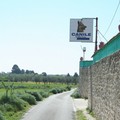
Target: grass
(90,112)
(15,116)
(80,115)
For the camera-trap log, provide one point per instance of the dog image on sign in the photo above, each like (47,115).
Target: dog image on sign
(81,27)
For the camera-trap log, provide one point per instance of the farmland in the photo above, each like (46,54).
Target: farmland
(15,100)
(18,92)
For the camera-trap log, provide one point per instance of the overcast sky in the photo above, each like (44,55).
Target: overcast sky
(34,34)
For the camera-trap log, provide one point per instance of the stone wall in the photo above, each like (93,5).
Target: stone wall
(104,88)
(83,83)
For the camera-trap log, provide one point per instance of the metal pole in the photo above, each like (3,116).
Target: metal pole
(84,50)
(83,55)
(96,34)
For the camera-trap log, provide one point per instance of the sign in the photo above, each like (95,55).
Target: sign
(81,30)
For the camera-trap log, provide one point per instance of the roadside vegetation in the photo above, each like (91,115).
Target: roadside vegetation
(21,89)
(90,112)
(16,100)
(76,94)
(80,115)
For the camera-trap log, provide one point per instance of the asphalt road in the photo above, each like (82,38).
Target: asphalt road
(56,107)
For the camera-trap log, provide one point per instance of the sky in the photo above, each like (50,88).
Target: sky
(34,34)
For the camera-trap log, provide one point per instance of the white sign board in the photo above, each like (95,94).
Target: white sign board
(81,30)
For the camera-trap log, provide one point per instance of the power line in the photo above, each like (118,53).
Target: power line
(99,38)
(112,18)
(103,36)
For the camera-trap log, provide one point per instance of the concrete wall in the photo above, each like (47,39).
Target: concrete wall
(104,87)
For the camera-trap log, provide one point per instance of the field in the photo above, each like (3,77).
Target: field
(17,97)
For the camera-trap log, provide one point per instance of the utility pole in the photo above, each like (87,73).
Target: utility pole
(96,34)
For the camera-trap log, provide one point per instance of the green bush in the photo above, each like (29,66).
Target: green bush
(64,89)
(44,94)
(2,108)
(54,91)
(60,90)
(4,99)
(37,96)
(76,94)
(28,98)
(90,112)
(68,87)
(1,116)
(57,90)
(8,107)
(80,115)
(17,103)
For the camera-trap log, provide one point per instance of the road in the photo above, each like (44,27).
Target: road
(56,107)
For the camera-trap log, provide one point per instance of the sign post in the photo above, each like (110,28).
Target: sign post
(96,34)
(81,30)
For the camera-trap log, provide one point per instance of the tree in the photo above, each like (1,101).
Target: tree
(16,69)
(75,75)
(68,75)
(44,77)
(29,71)
(44,73)
(22,71)
(37,78)
(76,78)
(68,78)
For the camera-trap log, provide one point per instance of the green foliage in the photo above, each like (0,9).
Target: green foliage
(76,75)
(18,75)
(28,98)
(16,69)
(76,94)
(58,90)
(44,94)
(4,99)
(7,107)
(37,96)
(75,78)
(80,115)
(17,103)
(90,112)
(3,77)
(54,91)
(7,88)
(1,116)
(68,87)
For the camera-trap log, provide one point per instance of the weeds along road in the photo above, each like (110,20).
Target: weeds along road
(56,107)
